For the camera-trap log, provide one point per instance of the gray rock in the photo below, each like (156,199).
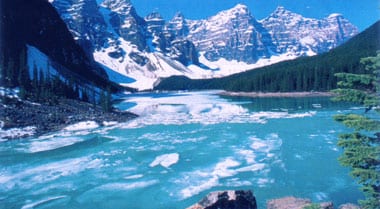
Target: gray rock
(349,206)
(327,205)
(288,202)
(295,203)
(227,200)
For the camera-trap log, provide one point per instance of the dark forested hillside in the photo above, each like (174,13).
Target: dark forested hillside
(36,23)
(303,74)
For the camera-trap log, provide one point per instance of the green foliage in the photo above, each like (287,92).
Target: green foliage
(358,122)
(362,147)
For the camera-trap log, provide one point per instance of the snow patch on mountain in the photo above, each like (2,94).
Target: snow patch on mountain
(39,61)
(138,52)
(223,67)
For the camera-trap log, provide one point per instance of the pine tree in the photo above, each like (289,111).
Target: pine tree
(2,70)
(23,75)
(362,147)
(9,71)
(105,100)
(85,97)
(102,99)
(108,102)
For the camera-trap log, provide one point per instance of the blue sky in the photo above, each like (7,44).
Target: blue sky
(361,13)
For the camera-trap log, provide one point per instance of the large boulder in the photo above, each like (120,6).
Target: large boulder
(227,200)
(295,203)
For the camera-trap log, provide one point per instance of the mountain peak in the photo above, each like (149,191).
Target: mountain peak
(179,15)
(240,8)
(335,15)
(281,11)
(154,15)
(237,10)
(280,8)
(282,14)
(117,5)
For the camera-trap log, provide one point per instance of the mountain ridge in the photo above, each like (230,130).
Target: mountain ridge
(314,73)
(229,42)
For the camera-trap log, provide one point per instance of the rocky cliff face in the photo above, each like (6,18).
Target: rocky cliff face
(169,38)
(86,24)
(232,34)
(294,34)
(126,22)
(146,49)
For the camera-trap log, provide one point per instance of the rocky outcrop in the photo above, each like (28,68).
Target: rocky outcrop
(349,206)
(227,200)
(295,203)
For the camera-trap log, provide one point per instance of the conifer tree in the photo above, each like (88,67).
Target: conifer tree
(105,100)
(85,97)
(9,71)
(108,101)
(362,146)
(2,70)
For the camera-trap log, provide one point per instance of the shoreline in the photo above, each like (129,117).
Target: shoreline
(40,119)
(276,94)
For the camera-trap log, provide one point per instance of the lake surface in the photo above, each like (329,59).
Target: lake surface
(183,146)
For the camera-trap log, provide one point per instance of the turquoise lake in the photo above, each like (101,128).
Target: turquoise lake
(183,146)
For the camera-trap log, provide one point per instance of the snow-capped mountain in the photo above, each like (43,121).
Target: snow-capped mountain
(232,41)
(297,35)
(232,34)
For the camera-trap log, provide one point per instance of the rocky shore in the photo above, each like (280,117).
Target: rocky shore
(231,199)
(277,94)
(44,118)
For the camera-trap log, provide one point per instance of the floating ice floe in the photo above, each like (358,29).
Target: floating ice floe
(41,145)
(198,181)
(47,173)
(125,186)
(137,176)
(208,108)
(165,160)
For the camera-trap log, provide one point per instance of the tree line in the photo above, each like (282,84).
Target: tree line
(44,87)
